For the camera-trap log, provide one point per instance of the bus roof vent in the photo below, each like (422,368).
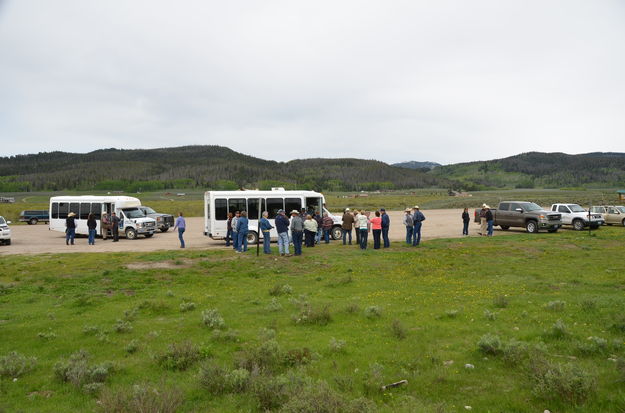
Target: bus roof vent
(277,188)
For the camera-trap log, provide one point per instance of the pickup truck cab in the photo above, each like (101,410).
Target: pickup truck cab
(5,231)
(578,217)
(526,215)
(610,214)
(163,221)
(32,217)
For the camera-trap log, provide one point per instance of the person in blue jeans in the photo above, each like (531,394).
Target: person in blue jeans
(409,223)
(465,221)
(490,220)
(92,224)
(235,234)
(181,225)
(282,226)
(386,225)
(242,230)
(70,228)
(418,218)
(266,227)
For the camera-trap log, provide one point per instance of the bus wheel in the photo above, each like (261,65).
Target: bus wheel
(131,233)
(337,232)
(252,237)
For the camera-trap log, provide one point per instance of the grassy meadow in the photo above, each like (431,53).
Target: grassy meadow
(516,323)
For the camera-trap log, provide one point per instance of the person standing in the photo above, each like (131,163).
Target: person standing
(376,227)
(70,228)
(346,226)
(356,227)
(92,224)
(242,230)
(310,230)
(490,220)
(181,225)
(229,229)
(386,225)
(266,227)
(105,225)
(409,223)
(115,226)
(483,222)
(327,224)
(465,221)
(418,219)
(319,232)
(282,226)
(235,234)
(363,229)
(297,231)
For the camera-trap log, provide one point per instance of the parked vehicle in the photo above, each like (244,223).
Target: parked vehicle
(32,217)
(578,217)
(133,221)
(526,215)
(217,205)
(612,215)
(5,231)
(163,221)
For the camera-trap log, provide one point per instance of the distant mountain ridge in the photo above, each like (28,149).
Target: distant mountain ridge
(416,165)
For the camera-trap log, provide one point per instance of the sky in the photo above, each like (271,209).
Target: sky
(443,81)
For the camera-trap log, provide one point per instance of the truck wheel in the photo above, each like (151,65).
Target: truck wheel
(8,242)
(531,227)
(164,228)
(505,227)
(148,235)
(252,237)
(578,224)
(131,233)
(33,221)
(623,222)
(337,232)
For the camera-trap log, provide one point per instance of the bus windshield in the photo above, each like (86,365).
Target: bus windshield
(133,213)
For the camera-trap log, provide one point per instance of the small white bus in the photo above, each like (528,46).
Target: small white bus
(217,205)
(133,221)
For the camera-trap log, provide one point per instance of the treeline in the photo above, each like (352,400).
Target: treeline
(207,167)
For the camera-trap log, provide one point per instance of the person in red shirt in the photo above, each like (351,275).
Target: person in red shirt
(376,226)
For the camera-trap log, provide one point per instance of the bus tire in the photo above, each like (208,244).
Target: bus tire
(337,232)
(252,237)
(131,233)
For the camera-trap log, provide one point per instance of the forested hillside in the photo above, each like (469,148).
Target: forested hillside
(539,170)
(210,167)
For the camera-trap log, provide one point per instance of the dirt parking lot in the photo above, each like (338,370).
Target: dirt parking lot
(36,239)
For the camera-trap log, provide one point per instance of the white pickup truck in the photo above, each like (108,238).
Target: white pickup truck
(5,231)
(578,217)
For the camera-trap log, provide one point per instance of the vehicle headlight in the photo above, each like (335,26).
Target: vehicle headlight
(541,217)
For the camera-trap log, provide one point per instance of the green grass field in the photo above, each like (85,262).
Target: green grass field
(516,323)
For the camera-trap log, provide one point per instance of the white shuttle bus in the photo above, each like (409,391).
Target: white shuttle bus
(133,221)
(217,205)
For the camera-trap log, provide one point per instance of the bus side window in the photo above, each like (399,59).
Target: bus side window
(75,208)
(55,210)
(96,210)
(252,205)
(291,204)
(237,204)
(273,205)
(63,210)
(221,209)
(85,210)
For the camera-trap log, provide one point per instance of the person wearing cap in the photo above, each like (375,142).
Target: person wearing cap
(70,228)
(362,223)
(483,222)
(297,231)
(346,226)
(282,226)
(465,221)
(386,225)
(115,226)
(310,230)
(409,223)
(418,219)
(490,220)
(266,227)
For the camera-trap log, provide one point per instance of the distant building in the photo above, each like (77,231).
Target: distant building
(621,194)
(5,200)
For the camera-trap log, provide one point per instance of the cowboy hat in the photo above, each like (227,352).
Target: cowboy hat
(486,206)
(295,212)
(71,214)
(407,210)
(415,207)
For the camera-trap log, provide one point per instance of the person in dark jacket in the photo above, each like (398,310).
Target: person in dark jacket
(229,229)
(92,224)
(265,228)
(465,221)
(346,227)
(490,220)
(242,230)
(386,225)
(115,226)
(70,228)
(282,227)
(326,224)
(297,231)
(319,232)
(418,219)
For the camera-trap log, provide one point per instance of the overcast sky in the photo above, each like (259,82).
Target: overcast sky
(446,81)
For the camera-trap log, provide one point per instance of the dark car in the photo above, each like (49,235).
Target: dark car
(163,221)
(34,216)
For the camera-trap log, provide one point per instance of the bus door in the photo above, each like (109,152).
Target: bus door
(314,204)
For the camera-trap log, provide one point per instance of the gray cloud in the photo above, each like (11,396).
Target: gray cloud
(447,81)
